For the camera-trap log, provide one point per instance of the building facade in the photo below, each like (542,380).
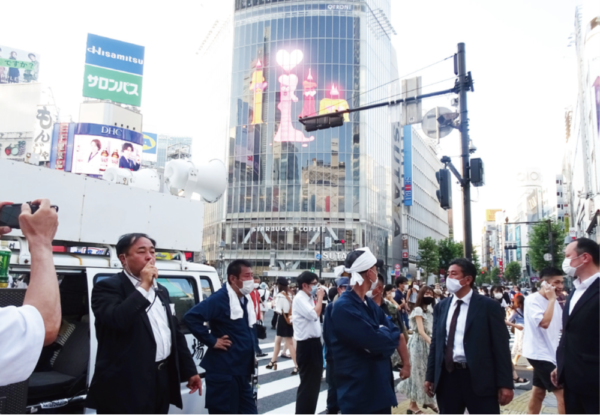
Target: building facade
(302,58)
(172,148)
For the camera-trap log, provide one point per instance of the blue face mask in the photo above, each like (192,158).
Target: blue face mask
(313,290)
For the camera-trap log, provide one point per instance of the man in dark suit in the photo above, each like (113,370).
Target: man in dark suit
(577,354)
(469,362)
(142,356)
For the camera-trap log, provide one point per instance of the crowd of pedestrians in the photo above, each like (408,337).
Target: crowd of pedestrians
(449,343)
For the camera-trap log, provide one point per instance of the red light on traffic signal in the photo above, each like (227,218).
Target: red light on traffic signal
(342,241)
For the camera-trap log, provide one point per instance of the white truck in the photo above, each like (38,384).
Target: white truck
(94,213)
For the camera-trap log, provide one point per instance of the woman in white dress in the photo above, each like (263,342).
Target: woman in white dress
(421,319)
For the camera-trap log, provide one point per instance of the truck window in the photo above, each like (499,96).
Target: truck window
(183,292)
(207,287)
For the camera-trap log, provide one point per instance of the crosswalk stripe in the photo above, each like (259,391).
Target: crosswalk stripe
(289,364)
(277,386)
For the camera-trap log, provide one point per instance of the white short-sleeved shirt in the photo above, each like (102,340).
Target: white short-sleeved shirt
(22,336)
(540,343)
(282,305)
(305,318)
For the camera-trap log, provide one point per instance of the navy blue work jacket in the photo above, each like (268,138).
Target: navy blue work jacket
(363,342)
(238,360)
(328,334)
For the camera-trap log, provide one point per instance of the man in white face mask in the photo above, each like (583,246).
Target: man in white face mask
(229,362)
(469,365)
(577,354)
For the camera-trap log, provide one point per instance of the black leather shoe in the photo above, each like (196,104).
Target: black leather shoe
(261,355)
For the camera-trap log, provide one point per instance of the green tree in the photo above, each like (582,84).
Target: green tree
(476,261)
(513,271)
(495,276)
(539,244)
(430,258)
(449,249)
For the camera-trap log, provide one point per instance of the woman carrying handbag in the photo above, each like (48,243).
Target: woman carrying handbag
(285,330)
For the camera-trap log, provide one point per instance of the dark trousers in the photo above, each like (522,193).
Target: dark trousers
(157,402)
(332,402)
(455,393)
(257,348)
(274,319)
(405,319)
(228,394)
(309,356)
(576,403)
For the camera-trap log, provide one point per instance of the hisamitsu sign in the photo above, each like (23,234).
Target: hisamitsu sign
(113,70)
(114,54)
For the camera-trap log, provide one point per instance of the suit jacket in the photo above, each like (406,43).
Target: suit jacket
(363,342)
(238,360)
(485,342)
(125,363)
(578,350)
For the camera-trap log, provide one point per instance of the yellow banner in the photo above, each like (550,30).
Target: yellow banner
(490,214)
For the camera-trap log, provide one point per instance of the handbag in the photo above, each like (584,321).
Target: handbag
(261,330)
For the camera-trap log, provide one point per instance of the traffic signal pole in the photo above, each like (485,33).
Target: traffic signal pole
(464,85)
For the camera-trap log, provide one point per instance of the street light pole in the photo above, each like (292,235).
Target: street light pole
(463,81)
(320,251)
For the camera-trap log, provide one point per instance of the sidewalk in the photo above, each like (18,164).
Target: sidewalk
(517,406)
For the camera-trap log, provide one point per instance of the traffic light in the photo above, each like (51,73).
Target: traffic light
(323,122)
(340,241)
(444,195)
(477,173)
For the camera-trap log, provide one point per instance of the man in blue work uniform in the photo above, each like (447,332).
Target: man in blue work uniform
(229,362)
(332,403)
(363,342)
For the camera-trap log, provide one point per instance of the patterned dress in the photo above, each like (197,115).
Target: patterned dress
(418,350)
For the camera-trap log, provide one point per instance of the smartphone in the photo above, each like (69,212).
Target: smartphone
(9,214)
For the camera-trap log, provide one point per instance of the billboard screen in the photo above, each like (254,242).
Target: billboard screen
(18,66)
(93,148)
(113,70)
(150,146)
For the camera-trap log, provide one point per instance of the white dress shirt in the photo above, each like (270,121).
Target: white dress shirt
(158,319)
(580,288)
(305,318)
(458,353)
(22,336)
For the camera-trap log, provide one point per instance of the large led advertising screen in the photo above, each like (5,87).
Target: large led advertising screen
(93,148)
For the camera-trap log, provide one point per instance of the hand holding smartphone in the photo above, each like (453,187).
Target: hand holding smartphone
(9,214)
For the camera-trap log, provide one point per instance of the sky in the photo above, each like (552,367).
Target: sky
(517,52)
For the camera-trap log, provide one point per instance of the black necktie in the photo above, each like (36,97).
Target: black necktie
(449,357)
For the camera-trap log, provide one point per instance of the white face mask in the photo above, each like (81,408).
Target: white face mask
(247,287)
(256,285)
(498,296)
(416,287)
(370,294)
(568,269)
(453,286)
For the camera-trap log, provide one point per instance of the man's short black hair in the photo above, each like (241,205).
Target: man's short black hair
(551,272)
(127,145)
(467,268)
(400,280)
(235,268)
(126,241)
(587,246)
(306,277)
(381,278)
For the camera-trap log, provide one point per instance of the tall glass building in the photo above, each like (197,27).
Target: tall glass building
(294,59)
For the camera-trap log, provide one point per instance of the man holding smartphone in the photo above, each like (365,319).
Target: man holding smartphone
(25,330)
(543,323)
